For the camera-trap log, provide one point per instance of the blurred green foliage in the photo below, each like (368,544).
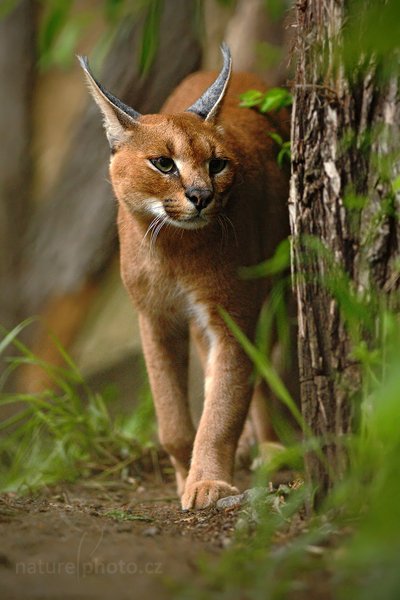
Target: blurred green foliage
(150,35)
(276,9)
(268,54)
(372,30)
(63,24)
(7,6)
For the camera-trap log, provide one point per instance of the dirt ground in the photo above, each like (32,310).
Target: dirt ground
(77,541)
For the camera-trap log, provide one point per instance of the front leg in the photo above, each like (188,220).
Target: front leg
(227,396)
(166,354)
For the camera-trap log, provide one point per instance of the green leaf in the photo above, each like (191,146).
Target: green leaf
(283,154)
(250,98)
(275,99)
(276,137)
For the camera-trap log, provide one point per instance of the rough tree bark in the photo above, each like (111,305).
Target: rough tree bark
(337,152)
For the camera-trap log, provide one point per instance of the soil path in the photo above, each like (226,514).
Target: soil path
(81,542)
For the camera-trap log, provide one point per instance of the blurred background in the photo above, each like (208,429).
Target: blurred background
(58,243)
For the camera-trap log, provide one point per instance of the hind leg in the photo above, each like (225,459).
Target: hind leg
(258,429)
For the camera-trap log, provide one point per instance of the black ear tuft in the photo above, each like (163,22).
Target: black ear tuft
(117,115)
(208,104)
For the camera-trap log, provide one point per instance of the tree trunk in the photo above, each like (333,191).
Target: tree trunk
(338,190)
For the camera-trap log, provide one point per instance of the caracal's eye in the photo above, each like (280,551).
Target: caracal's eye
(164,164)
(216,165)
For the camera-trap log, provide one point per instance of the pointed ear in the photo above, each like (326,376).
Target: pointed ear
(117,116)
(208,104)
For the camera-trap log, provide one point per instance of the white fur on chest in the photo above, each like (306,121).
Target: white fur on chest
(199,312)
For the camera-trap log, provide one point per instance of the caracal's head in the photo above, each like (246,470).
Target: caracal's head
(174,168)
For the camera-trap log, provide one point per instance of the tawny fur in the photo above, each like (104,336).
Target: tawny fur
(178,274)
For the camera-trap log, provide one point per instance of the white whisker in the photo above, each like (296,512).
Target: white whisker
(151,227)
(228,220)
(223,231)
(156,230)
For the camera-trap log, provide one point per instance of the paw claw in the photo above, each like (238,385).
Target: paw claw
(203,494)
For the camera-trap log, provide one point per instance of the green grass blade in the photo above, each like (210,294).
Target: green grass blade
(10,337)
(264,368)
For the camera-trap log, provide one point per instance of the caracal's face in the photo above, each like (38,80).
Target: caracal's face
(174,169)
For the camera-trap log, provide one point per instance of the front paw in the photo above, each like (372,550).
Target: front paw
(202,494)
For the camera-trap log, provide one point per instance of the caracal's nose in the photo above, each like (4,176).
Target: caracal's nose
(200,197)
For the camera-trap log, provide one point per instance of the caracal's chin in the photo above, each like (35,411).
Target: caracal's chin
(196,222)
